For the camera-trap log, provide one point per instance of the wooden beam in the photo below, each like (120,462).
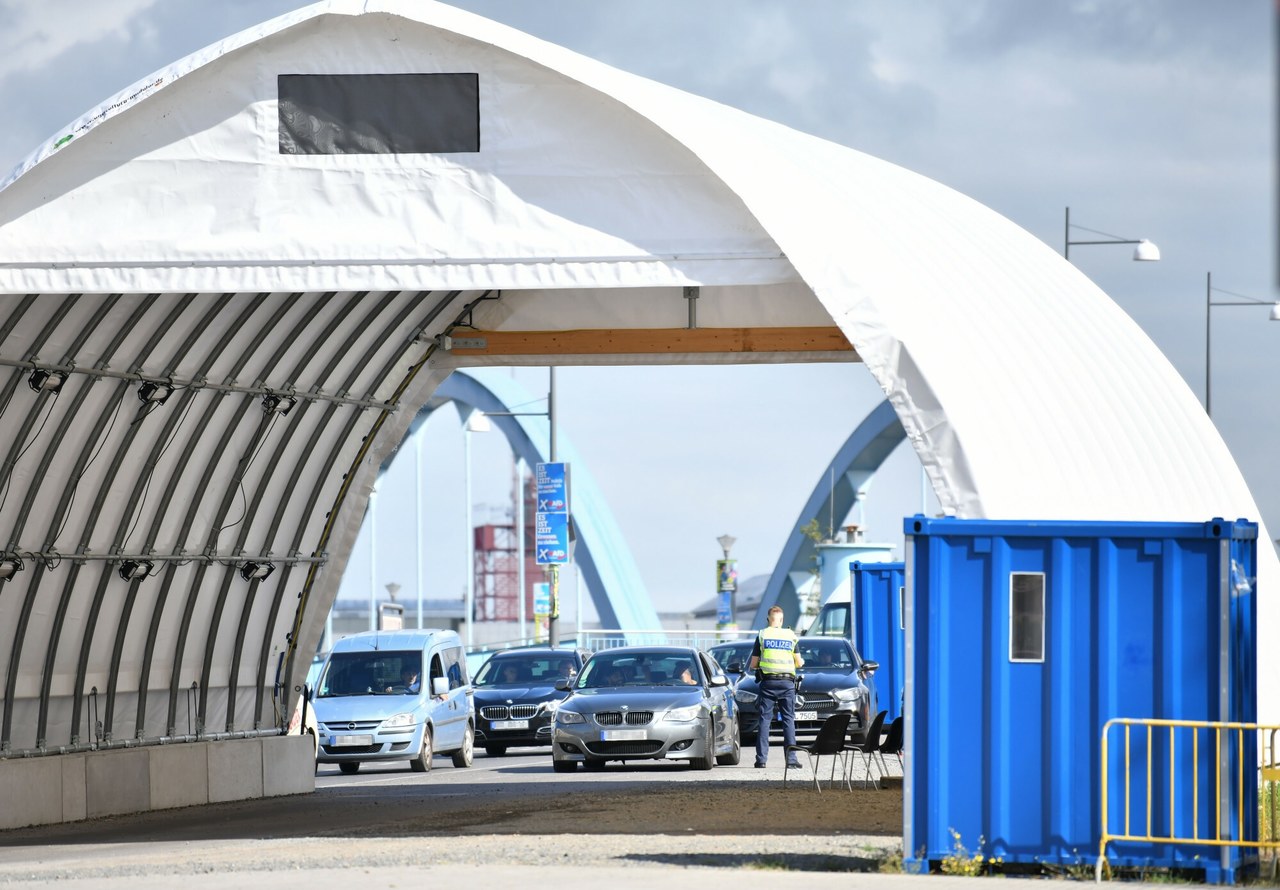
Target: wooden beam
(648,341)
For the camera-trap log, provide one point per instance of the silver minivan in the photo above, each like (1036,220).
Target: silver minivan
(394,695)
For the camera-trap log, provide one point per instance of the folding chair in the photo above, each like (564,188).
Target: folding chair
(892,743)
(868,746)
(830,740)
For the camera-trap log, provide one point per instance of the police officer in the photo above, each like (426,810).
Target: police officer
(775,661)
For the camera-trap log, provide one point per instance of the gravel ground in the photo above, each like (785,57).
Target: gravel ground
(718,825)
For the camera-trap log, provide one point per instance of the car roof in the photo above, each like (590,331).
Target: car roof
(685,651)
(394,640)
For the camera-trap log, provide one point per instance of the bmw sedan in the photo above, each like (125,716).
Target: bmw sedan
(647,703)
(516,696)
(834,678)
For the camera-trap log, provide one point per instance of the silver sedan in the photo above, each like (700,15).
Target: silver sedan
(647,703)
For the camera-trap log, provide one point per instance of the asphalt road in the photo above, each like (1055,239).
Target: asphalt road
(510,818)
(503,822)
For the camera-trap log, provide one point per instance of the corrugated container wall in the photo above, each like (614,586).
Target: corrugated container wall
(878,627)
(1025,638)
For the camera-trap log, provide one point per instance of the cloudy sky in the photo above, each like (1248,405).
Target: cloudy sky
(1149,118)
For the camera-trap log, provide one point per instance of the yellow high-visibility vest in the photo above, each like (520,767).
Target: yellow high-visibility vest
(777,651)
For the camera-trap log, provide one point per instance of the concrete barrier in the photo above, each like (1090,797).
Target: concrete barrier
(72,787)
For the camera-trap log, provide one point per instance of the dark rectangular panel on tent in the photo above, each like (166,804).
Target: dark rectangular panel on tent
(331,114)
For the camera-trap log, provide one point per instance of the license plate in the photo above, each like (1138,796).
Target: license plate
(510,724)
(352,741)
(622,735)
(806,715)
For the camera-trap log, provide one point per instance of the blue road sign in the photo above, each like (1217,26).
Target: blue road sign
(542,598)
(551,538)
(553,493)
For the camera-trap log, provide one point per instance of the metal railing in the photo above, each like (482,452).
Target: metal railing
(1243,758)
(596,640)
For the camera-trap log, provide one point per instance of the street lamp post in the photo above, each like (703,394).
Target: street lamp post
(553,570)
(476,423)
(726,543)
(1144,252)
(373,559)
(1209,304)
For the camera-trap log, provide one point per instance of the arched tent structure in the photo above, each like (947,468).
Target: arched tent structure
(267,219)
(601,553)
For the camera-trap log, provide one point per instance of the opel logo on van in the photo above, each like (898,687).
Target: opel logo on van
(351,726)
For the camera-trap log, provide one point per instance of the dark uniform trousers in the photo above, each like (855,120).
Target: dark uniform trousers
(776,691)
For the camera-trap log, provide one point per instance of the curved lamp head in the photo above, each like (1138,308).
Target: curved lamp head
(1275,312)
(1146,252)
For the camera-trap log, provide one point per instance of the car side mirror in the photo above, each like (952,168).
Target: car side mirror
(440,686)
(869,668)
(719,680)
(562,683)
(734,667)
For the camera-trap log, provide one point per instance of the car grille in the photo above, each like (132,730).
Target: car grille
(350,726)
(815,701)
(352,749)
(630,718)
(502,712)
(623,748)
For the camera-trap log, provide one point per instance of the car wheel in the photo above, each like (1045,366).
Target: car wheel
(734,756)
(495,750)
(422,762)
(708,759)
(349,768)
(564,766)
(464,755)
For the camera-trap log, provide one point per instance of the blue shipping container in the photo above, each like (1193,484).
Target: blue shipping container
(878,626)
(1025,638)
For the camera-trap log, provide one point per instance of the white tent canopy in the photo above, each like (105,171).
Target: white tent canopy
(231,230)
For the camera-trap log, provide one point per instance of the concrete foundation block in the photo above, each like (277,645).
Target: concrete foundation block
(35,785)
(74,807)
(235,770)
(179,776)
(117,782)
(288,765)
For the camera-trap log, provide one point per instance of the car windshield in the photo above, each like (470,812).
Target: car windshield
(826,655)
(606,670)
(371,673)
(525,670)
(727,655)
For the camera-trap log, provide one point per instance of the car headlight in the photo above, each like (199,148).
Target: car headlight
(684,715)
(744,697)
(563,716)
(844,695)
(549,706)
(405,719)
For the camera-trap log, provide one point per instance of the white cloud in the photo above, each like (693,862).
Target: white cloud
(37,32)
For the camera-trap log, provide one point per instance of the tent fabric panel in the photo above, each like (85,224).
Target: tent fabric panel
(566,176)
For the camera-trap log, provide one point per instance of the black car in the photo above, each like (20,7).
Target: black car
(834,678)
(733,657)
(516,696)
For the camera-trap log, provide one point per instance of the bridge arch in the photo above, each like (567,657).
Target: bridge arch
(855,462)
(601,553)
